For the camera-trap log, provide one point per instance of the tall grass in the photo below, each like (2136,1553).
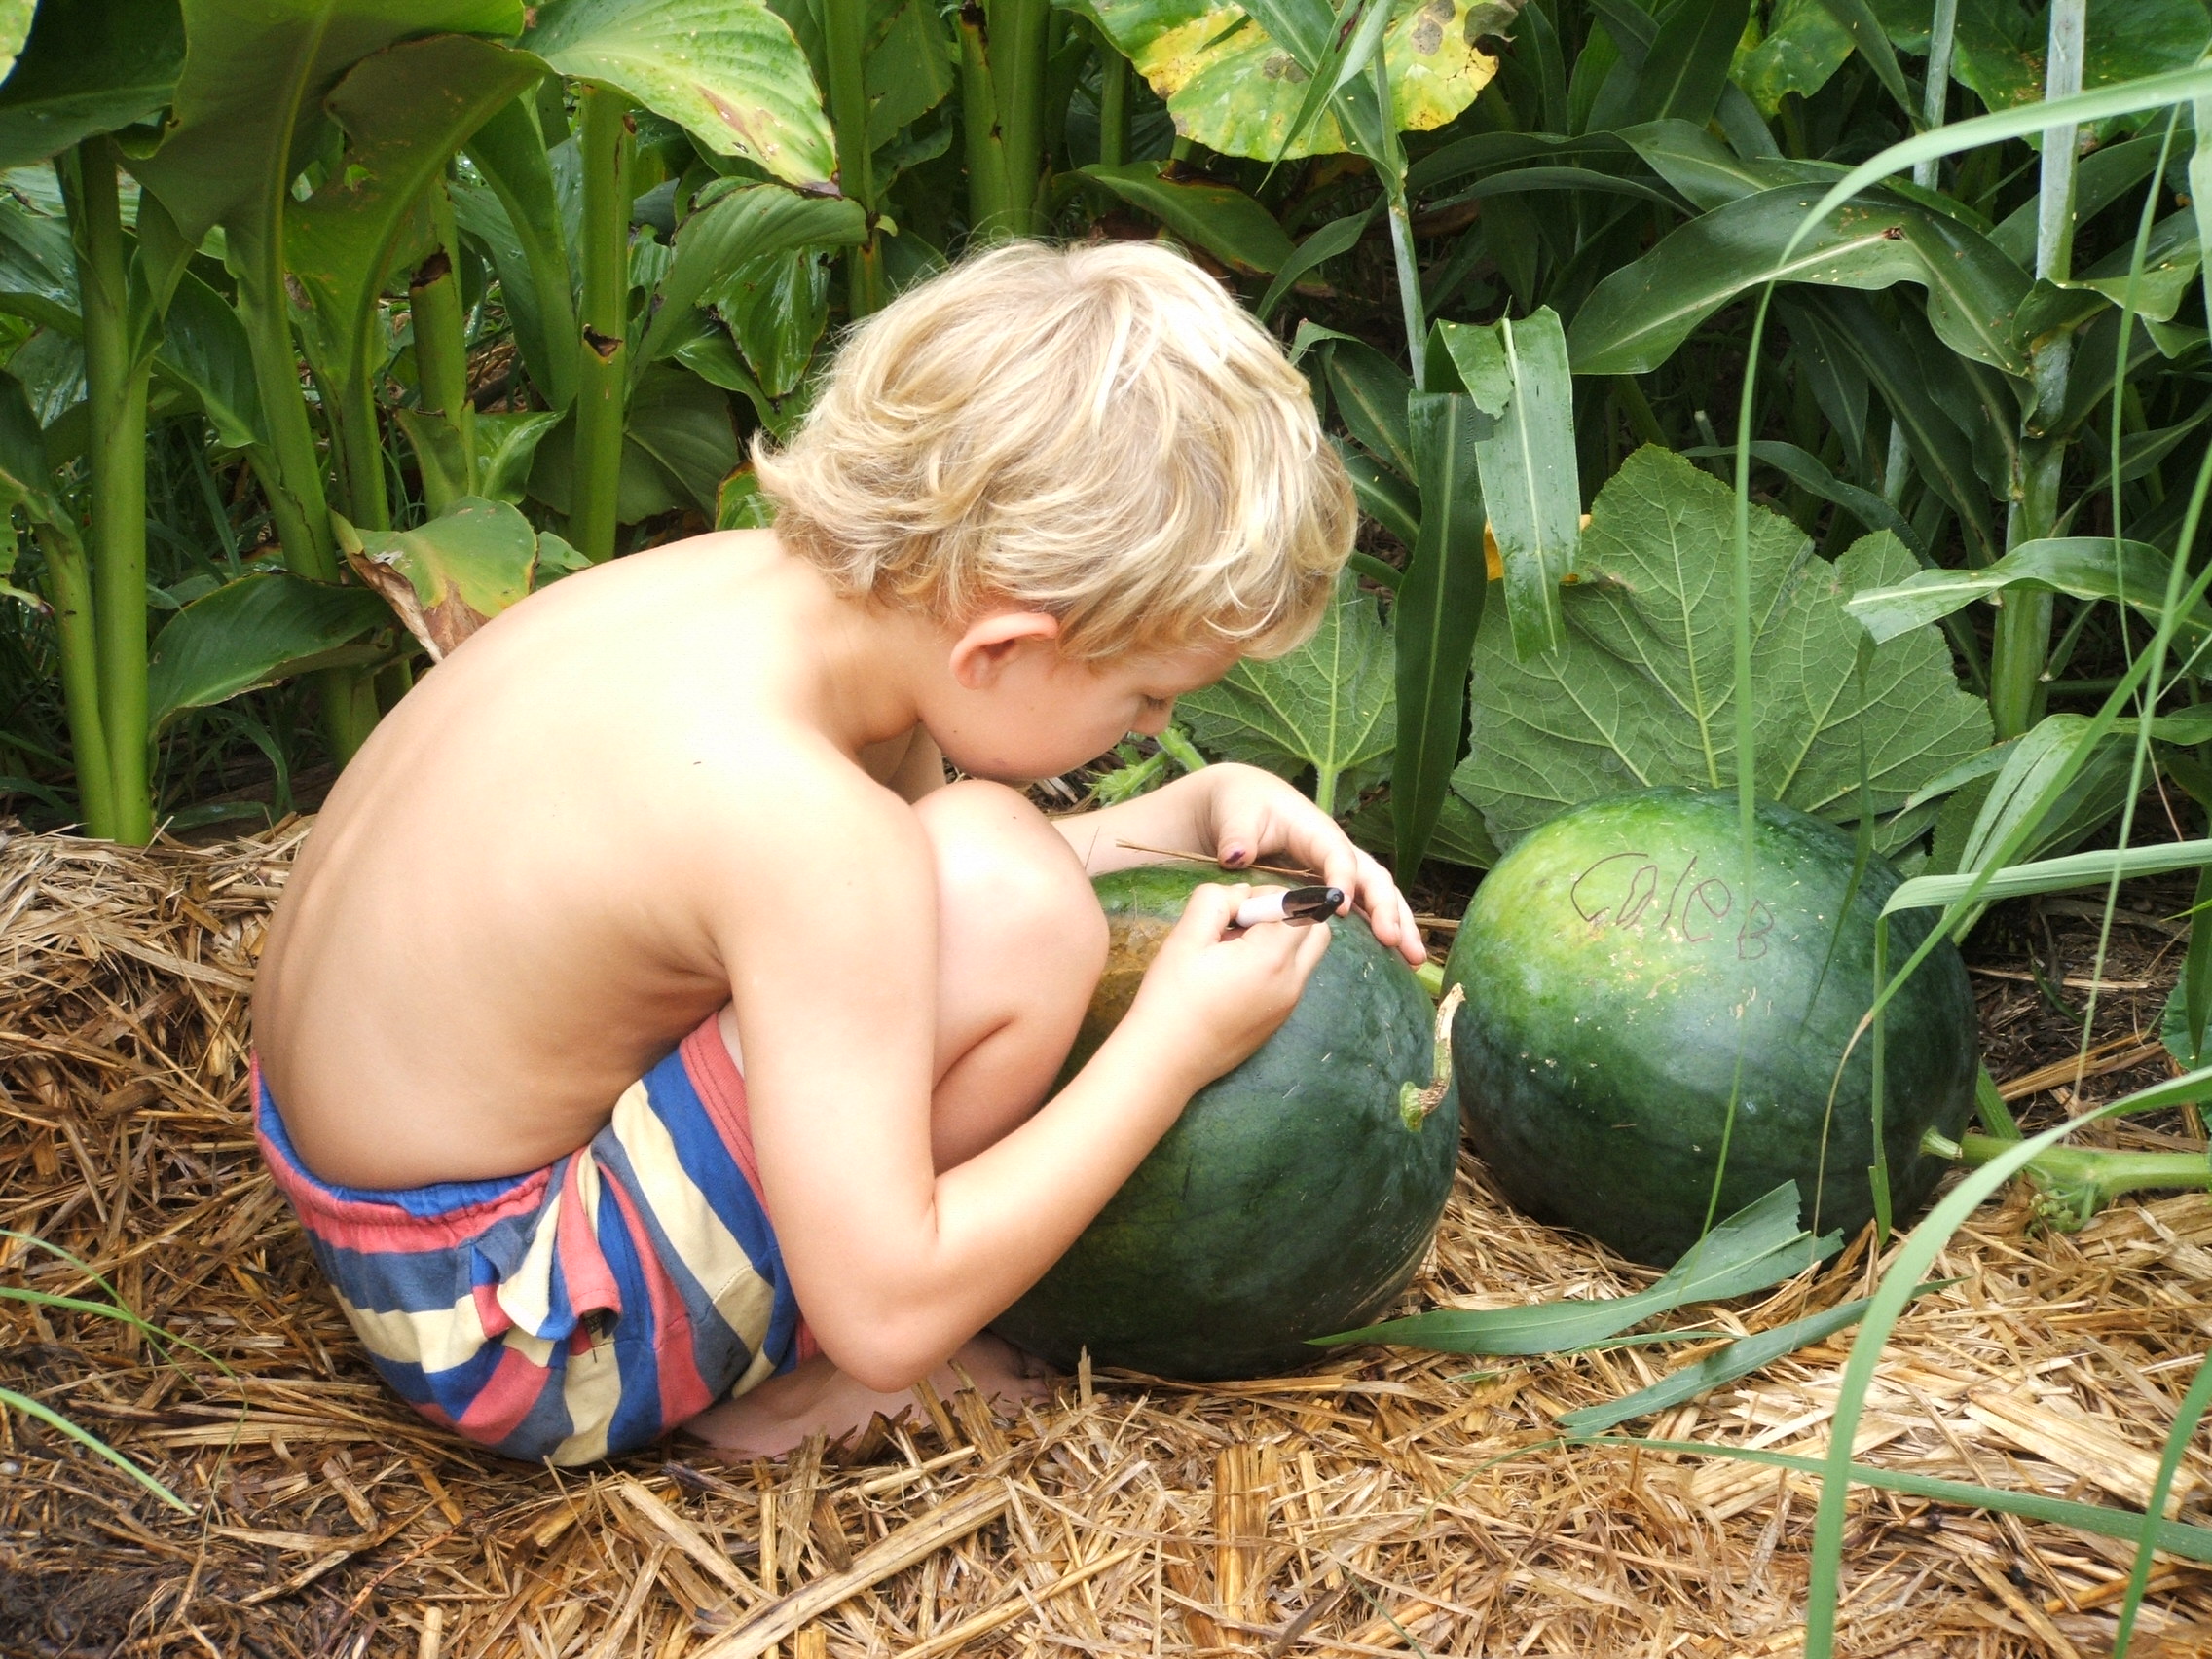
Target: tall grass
(2138,691)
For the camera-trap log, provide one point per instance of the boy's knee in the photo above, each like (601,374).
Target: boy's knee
(1003,871)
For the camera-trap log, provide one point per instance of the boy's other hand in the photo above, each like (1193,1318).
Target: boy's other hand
(1211,997)
(1254,814)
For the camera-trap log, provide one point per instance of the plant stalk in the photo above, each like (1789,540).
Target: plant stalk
(441,334)
(1942,36)
(1001,94)
(69,591)
(116,403)
(2021,643)
(602,356)
(844,42)
(1113,104)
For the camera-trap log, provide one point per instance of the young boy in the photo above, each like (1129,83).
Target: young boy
(646,1019)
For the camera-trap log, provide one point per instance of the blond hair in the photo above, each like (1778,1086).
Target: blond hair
(1096,433)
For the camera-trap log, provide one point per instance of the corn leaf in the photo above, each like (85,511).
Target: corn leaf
(1754,1249)
(1739,1359)
(2085,566)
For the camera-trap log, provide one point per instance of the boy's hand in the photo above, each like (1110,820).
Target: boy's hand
(1210,998)
(1253,813)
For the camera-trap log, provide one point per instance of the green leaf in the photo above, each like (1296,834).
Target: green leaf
(520,224)
(38,273)
(740,504)
(1739,1359)
(1756,1248)
(2085,566)
(1516,373)
(1337,236)
(1852,330)
(2003,48)
(1233,89)
(247,111)
(507,445)
(404,111)
(1224,221)
(89,68)
(2057,875)
(91,1442)
(449,576)
(682,425)
(1458,837)
(1326,706)
(1440,606)
(728,71)
(1371,393)
(1634,319)
(248,632)
(1643,692)
(1808,472)
(2031,764)
(2176,1538)
(1383,496)
(775,308)
(1708,171)
(1687,62)
(741,223)
(1867,33)
(1804,45)
(204,349)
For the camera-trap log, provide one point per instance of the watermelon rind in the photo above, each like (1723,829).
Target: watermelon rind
(1618,968)
(1290,1201)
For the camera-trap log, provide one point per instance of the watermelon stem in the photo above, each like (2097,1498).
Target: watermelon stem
(1416,1103)
(2075,1182)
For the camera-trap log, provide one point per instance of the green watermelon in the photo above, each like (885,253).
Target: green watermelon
(1616,963)
(1294,1198)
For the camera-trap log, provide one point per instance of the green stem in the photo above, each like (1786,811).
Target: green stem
(844,35)
(1019,45)
(603,357)
(1642,420)
(116,403)
(2021,643)
(69,591)
(1002,75)
(1113,104)
(441,336)
(2078,1181)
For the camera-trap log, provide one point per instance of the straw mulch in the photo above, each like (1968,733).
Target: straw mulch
(1381,1504)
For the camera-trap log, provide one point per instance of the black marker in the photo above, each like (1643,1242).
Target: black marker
(1293,904)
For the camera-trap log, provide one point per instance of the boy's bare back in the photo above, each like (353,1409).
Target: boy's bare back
(517,896)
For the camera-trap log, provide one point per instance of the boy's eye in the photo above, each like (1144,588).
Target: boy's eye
(1156,704)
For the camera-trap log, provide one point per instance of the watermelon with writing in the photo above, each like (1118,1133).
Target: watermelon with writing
(1639,1002)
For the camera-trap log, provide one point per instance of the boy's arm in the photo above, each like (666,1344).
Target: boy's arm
(1243,816)
(895,1263)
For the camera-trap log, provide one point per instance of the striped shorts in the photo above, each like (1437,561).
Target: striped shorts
(581,1310)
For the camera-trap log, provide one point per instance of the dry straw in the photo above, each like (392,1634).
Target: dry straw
(1380,1503)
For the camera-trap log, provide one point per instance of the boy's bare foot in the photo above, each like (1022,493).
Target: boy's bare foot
(817,1398)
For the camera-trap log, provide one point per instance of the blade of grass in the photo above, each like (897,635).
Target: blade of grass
(1916,1254)
(94,1443)
(2175,1537)
(2186,1420)
(1740,1358)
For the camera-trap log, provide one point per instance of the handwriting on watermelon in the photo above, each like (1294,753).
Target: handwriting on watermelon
(1700,907)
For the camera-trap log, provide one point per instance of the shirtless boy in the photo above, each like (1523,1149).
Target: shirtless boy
(648,1024)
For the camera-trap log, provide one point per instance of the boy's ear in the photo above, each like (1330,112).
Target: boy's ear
(989,644)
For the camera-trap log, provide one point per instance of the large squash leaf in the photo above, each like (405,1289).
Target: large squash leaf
(1642,691)
(1233,89)
(1326,707)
